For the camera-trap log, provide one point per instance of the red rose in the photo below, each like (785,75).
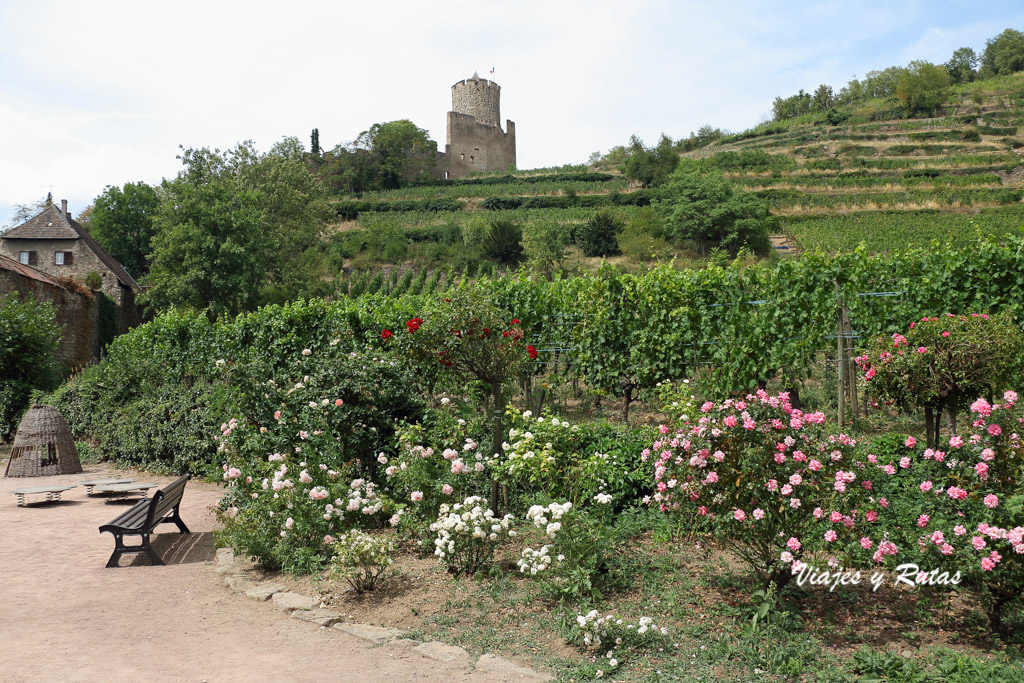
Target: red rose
(515,321)
(532,351)
(386,334)
(414,325)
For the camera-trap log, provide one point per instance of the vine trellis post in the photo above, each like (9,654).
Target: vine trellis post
(844,359)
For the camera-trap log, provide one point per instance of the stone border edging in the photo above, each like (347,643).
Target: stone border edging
(305,608)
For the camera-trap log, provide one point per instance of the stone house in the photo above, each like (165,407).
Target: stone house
(77,311)
(58,245)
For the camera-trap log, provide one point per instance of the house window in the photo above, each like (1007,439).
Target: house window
(27,258)
(63,258)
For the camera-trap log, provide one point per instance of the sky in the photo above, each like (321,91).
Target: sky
(102,92)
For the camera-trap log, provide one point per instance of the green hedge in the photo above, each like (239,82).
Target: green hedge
(545,178)
(638,198)
(350,210)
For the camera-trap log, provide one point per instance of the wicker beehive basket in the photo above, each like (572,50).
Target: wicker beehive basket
(43,445)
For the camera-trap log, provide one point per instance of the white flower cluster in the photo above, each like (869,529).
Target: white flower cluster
(361,558)
(595,628)
(463,523)
(534,561)
(526,448)
(603,498)
(362,496)
(548,518)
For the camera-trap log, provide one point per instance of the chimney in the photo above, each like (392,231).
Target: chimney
(64,208)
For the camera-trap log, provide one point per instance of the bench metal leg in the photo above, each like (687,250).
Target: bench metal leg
(120,549)
(178,521)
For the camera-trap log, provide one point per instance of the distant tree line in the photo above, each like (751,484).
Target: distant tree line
(920,87)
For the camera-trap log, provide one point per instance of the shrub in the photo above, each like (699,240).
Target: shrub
(594,632)
(643,238)
(29,337)
(764,475)
(298,460)
(93,280)
(468,533)
(504,241)
(438,461)
(969,507)
(598,236)
(544,242)
(167,429)
(942,363)
(576,562)
(362,559)
(563,461)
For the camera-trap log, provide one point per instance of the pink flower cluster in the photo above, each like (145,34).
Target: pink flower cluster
(763,465)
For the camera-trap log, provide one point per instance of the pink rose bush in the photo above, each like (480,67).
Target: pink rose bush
(769,481)
(434,464)
(941,364)
(970,495)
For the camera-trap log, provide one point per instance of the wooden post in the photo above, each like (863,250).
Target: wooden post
(851,373)
(497,436)
(841,358)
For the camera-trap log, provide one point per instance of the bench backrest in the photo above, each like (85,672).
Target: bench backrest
(165,500)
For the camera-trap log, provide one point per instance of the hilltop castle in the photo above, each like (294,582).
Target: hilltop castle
(475,139)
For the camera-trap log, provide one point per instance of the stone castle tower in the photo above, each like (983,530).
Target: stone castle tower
(475,139)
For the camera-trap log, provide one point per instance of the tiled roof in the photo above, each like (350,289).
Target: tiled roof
(54,224)
(51,224)
(27,271)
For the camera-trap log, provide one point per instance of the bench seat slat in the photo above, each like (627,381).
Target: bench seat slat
(132,518)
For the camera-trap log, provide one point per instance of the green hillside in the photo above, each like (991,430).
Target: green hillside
(885,180)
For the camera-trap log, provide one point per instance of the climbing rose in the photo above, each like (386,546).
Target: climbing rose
(386,334)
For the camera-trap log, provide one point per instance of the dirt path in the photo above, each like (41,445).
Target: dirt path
(65,617)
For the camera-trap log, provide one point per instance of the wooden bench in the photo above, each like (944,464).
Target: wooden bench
(145,516)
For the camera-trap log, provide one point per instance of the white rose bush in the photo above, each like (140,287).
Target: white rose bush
(468,533)
(362,559)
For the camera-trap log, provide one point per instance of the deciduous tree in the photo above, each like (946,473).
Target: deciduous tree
(121,221)
(1003,54)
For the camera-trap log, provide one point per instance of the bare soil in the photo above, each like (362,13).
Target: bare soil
(64,616)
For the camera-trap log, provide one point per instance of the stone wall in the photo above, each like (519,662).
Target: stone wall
(476,147)
(83,262)
(77,314)
(479,98)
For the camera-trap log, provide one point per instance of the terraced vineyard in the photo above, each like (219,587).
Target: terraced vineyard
(891,183)
(876,179)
